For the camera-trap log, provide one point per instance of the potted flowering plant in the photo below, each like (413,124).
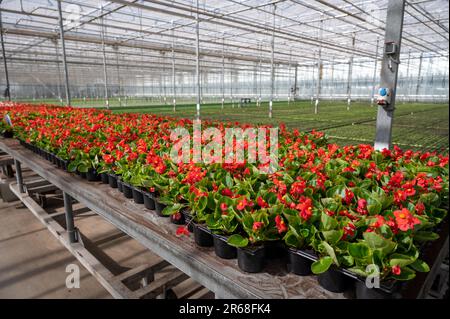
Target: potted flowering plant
(257,225)
(85,163)
(299,240)
(223,222)
(7,131)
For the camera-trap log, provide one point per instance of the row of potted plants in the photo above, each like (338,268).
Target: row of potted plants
(339,210)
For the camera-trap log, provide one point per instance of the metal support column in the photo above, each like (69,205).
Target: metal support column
(272,67)
(295,81)
(19,176)
(407,77)
(116,48)
(223,70)
(142,58)
(5,65)
(255,80)
(332,79)
(419,77)
(197,61)
(105,72)
(163,77)
(174,90)
(231,82)
(389,72)
(349,77)
(260,73)
(63,47)
(55,42)
(289,77)
(372,99)
(70,225)
(313,80)
(319,68)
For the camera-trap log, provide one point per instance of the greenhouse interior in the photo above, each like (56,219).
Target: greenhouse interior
(233,149)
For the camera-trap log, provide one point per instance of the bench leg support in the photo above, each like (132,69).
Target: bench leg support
(19,176)
(70,225)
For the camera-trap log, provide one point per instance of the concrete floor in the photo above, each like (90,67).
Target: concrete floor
(33,262)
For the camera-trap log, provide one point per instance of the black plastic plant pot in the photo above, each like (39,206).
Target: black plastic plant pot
(112,181)
(159,207)
(65,164)
(177,218)
(149,202)
(119,185)
(54,159)
(202,237)
(138,197)
(104,178)
(222,249)
(334,281)
(364,292)
(127,190)
(299,265)
(275,249)
(59,163)
(251,259)
(83,175)
(8,134)
(92,175)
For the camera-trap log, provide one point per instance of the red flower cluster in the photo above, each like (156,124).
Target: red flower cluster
(362,206)
(349,196)
(257,226)
(305,207)
(281,225)
(244,203)
(405,220)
